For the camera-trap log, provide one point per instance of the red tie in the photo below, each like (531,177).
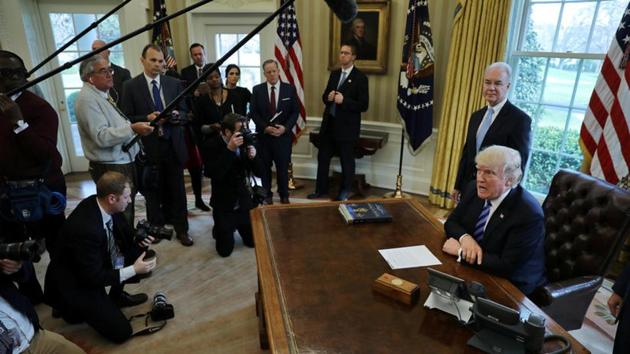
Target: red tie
(272,103)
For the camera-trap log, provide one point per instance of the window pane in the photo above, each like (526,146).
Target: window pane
(560,81)
(81,22)
(549,128)
(250,52)
(608,18)
(588,77)
(63,29)
(117,58)
(571,162)
(249,77)
(109,30)
(571,145)
(529,79)
(225,43)
(70,77)
(575,27)
(542,167)
(541,27)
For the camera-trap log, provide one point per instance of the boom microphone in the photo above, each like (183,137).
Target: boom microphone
(345,10)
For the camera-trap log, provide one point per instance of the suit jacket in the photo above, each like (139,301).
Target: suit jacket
(511,128)
(189,74)
(83,265)
(513,242)
(287,104)
(347,120)
(120,76)
(228,175)
(137,104)
(10,293)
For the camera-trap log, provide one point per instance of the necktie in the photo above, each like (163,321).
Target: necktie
(272,101)
(481,221)
(157,100)
(199,72)
(483,128)
(111,242)
(342,79)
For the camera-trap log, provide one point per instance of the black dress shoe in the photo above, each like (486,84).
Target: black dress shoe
(126,300)
(285,200)
(268,201)
(185,239)
(343,196)
(199,204)
(317,195)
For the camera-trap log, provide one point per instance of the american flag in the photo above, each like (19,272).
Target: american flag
(162,34)
(606,126)
(288,52)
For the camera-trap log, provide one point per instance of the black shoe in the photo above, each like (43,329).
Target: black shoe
(284,200)
(317,195)
(199,204)
(185,239)
(126,300)
(268,201)
(343,196)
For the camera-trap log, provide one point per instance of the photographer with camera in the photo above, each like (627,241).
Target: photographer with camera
(96,250)
(28,156)
(231,165)
(20,330)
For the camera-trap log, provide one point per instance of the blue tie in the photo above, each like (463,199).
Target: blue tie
(157,100)
(483,128)
(333,109)
(481,221)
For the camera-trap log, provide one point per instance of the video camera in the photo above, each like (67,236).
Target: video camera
(29,250)
(144,229)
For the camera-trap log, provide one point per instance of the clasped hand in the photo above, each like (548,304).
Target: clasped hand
(471,251)
(275,130)
(335,96)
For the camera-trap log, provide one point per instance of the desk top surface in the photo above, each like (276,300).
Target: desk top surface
(316,275)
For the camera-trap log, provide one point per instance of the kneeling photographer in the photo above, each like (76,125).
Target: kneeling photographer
(232,165)
(96,249)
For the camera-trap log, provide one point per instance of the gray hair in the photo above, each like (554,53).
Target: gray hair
(87,66)
(503,66)
(502,158)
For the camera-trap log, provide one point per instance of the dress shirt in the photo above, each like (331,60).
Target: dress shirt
(347,71)
(126,272)
(18,325)
(150,84)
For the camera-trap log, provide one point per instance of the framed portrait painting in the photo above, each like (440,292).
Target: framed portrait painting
(368,32)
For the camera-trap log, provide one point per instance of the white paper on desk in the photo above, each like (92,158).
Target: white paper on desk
(409,257)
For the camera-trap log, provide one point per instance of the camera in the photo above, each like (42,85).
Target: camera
(249,137)
(29,250)
(144,229)
(161,310)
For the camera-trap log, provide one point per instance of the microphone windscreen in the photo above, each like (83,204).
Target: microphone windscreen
(345,10)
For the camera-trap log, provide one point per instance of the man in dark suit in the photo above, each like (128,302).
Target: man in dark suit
(619,307)
(232,165)
(499,123)
(96,250)
(145,96)
(499,226)
(345,97)
(120,74)
(193,71)
(274,109)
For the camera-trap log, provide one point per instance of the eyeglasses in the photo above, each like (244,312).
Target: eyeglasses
(6,72)
(104,71)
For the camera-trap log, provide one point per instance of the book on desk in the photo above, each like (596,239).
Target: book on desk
(356,213)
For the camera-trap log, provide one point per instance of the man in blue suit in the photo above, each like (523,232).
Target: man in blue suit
(274,109)
(499,226)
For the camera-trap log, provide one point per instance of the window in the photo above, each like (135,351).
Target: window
(247,58)
(64,27)
(556,51)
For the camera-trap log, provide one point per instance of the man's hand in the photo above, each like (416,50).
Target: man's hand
(152,116)
(202,89)
(235,141)
(331,95)
(614,304)
(270,130)
(8,266)
(10,109)
(142,267)
(451,246)
(339,98)
(146,242)
(471,251)
(142,128)
(251,152)
(455,195)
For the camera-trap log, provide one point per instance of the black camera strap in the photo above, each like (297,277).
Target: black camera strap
(148,329)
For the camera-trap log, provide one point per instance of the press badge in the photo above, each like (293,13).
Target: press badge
(119,262)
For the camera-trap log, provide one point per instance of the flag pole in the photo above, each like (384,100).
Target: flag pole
(398,193)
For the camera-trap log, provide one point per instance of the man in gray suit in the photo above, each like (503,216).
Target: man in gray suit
(145,96)
(103,127)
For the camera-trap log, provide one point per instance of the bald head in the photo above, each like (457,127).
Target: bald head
(98,44)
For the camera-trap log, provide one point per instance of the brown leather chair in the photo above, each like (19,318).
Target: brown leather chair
(586,222)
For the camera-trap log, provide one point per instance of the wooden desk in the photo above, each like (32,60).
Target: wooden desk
(315,276)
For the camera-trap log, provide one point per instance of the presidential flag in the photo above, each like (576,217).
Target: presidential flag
(162,35)
(605,135)
(415,86)
(288,53)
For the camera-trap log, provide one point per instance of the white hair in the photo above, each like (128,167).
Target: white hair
(87,66)
(502,158)
(503,66)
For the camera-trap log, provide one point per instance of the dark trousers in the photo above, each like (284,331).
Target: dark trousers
(98,169)
(278,151)
(195,181)
(622,336)
(167,204)
(328,146)
(225,223)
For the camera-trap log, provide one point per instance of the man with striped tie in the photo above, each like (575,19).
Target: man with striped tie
(499,123)
(498,226)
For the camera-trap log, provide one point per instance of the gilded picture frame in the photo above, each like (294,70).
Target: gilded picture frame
(369,33)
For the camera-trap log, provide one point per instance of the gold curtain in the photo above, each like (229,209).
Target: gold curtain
(479,37)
